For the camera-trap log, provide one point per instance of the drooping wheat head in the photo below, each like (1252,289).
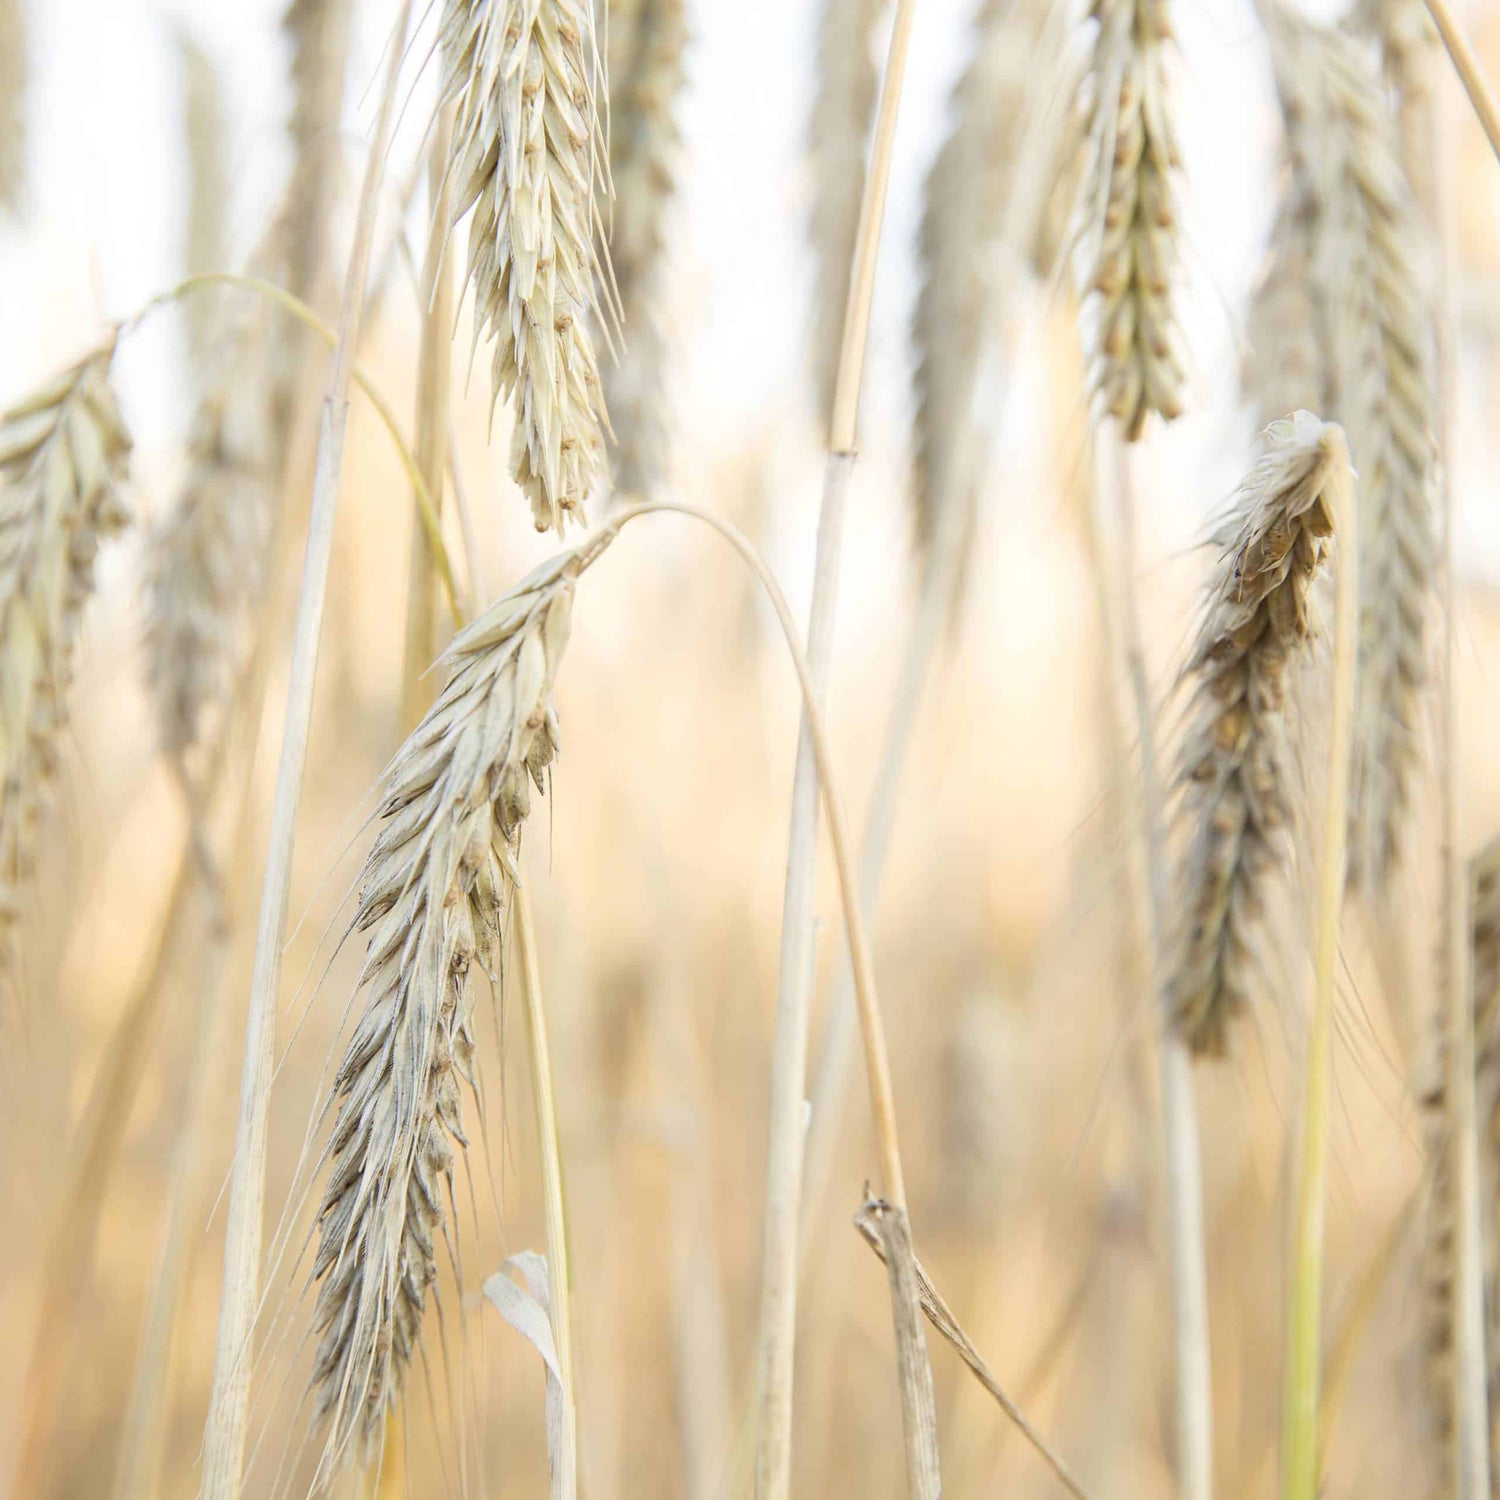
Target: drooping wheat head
(1015,60)
(63,457)
(647,39)
(12,102)
(1234,766)
(1374,293)
(529,162)
(432,901)
(206,558)
(1127,254)
(838,134)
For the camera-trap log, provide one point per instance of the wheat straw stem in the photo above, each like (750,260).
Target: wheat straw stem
(434,363)
(1179,1122)
(1470,74)
(781,1230)
(1299,1448)
(554,1212)
(228,1414)
(12,102)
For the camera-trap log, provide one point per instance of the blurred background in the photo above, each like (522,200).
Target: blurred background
(1020,1034)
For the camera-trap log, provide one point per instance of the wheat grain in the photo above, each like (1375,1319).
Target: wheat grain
(432,898)
(1127,249)
(12,102)
(1233,768)
(63,455)
(206,558)
(967,193)
(1376,305)
(527,155)
(838,134)
(647,39)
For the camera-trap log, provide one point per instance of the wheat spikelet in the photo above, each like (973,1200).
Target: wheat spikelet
(63,455)
(432,897)
(646,43)
(206,559)
(967,194)
(839,128)
(1127,253)
(528,162)
(1377,307)
(1234,765)
(12,102)
(318,33)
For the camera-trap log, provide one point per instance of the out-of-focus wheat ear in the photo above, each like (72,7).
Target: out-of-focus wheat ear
(432,900)
(1408,44)
(12,102)
(318,33)
(529,158)
(1374,288)
(647,40)
(63,456)
(203,134)
(1127,251)
(206,558)
(1485,917)
(1016,59)
(1234,766)
(1286,366)
(838,136)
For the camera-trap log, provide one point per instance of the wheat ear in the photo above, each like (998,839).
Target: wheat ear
(1377,306)
(12,102)
(838,136)
(431,901)
(647,39)
(1485,917)
(1234,764)
(528,159)
(1127,249)
(63,457)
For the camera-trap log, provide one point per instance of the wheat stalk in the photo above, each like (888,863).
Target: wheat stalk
(1372,287)
(528,162)
(647,39)
(1233,766)
(432,895)
(63,457)
(12,102)
(203,131)
(838,134)
(1127,249)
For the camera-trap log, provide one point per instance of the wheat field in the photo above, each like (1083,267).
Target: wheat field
(654,652)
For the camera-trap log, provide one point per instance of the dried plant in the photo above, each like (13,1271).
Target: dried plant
(838,133)
(968,191)
(318,34)
(528,159)
(1127,248)
(432,900)
(12,101)
(1376,307)
(63,456)
(1234,765)
(647,39)
(206,558)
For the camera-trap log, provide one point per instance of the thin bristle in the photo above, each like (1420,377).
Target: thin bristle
(1234,768)
(967,194)
(12,102)
(647,39)
(1127,247)
(528,162)
(432,900)
(63,456)
(1376,308)
(206,559)
(838,133)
